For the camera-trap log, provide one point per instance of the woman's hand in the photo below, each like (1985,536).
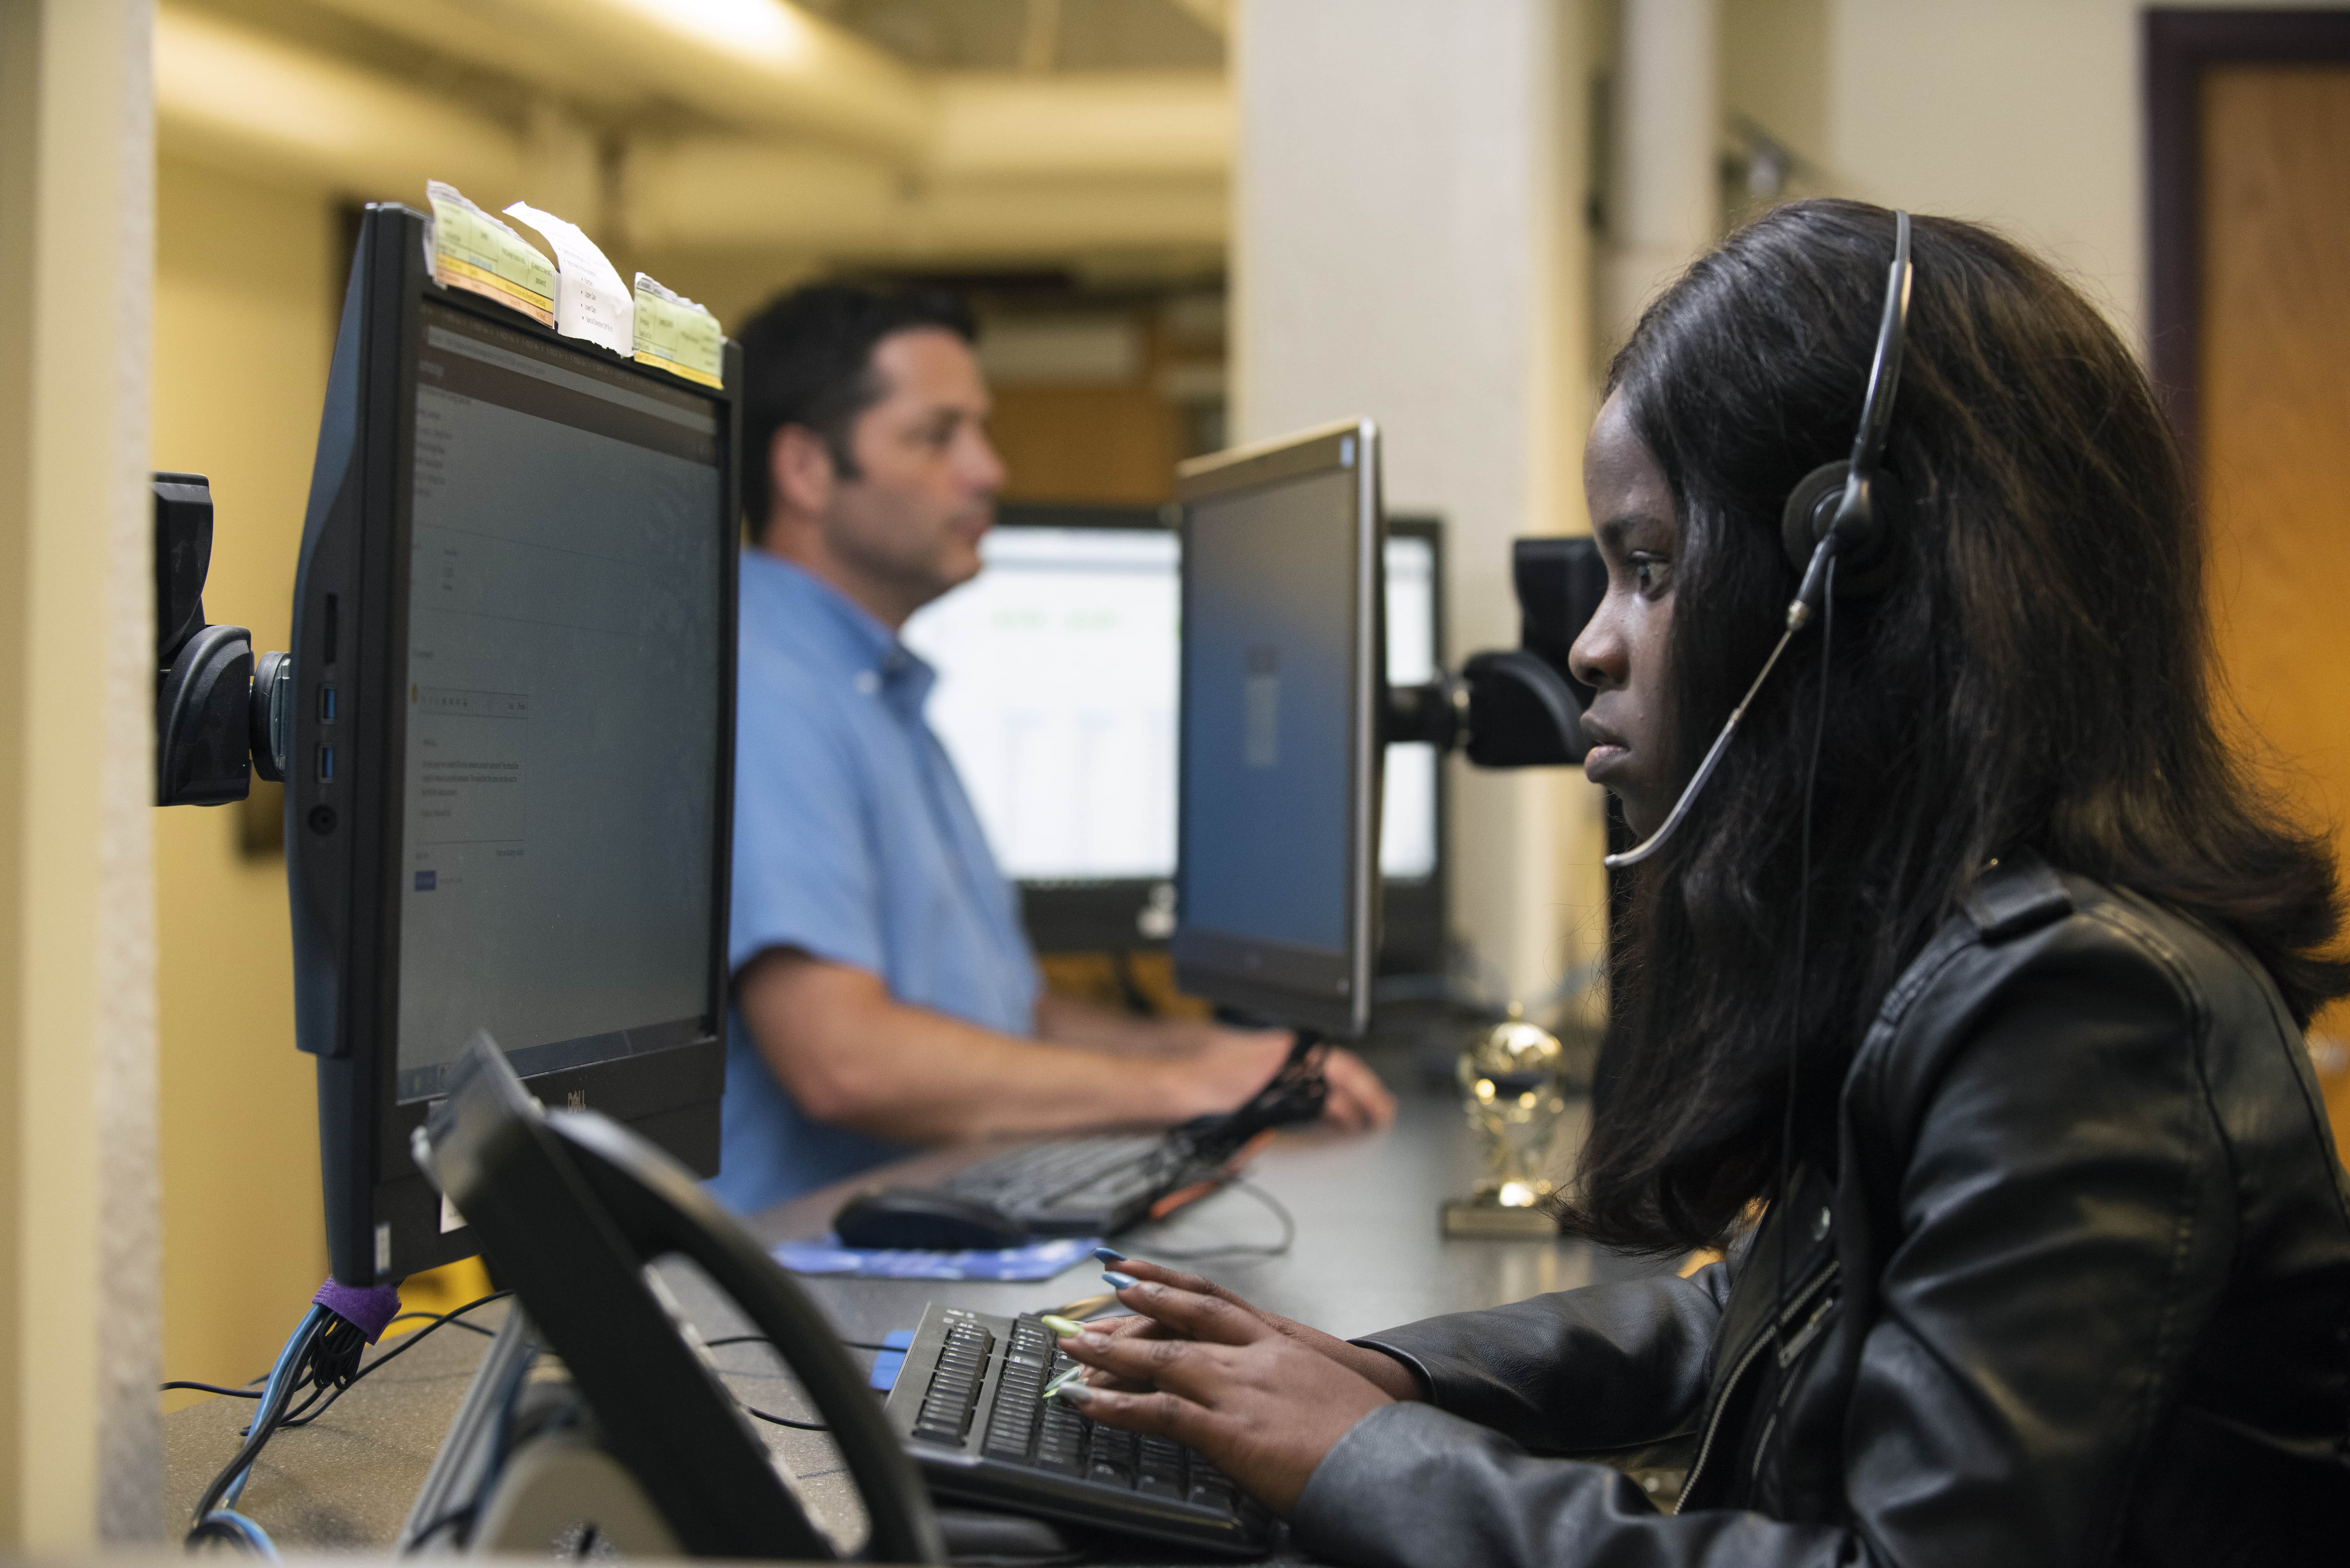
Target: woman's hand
(1262,1406)
(1390,1377)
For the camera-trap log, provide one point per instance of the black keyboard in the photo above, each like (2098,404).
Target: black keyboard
(1083,1186)
(966,1405)
(1100,1185)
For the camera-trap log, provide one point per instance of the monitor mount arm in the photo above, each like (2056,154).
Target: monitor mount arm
(219,716)
(1519,707)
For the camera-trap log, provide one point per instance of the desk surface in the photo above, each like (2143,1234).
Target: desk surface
(1369,1254)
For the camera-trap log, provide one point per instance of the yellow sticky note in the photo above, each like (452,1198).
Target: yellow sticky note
(472,250)
(676,334)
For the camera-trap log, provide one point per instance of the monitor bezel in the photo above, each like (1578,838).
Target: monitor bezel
(1227,968)
(384,1219)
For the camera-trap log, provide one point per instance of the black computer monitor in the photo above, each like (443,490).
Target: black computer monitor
(508,795)
(1278,800)
(1056,699)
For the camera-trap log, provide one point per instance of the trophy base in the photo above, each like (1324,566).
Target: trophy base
(1466,1217)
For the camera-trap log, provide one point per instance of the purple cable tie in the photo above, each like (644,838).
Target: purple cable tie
(368,1308)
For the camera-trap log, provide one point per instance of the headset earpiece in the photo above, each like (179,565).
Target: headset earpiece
(1811,507)
(1865,556)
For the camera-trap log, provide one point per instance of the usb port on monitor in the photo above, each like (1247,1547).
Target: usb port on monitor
(326,765)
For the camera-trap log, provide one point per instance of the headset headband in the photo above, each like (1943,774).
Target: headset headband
(1884,370)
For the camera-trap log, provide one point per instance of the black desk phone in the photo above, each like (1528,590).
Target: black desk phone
(571,1208)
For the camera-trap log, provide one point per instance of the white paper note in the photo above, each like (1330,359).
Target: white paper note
(590,300)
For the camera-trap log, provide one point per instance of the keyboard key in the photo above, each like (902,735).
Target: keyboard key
(946,1409)
(1149,1485)
(1108,1474)
(1212,1491)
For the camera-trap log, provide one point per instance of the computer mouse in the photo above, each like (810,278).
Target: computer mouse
(924,1219)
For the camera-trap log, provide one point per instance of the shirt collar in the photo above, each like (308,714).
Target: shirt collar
(867,651)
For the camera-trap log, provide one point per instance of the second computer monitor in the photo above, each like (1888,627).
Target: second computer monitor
(1278,771)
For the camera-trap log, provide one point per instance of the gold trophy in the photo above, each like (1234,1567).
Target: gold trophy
(1513,1088)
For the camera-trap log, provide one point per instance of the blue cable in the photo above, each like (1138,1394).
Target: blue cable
(216,1514)
(274,1395)
(227,1520)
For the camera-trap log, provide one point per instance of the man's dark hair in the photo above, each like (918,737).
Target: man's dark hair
(2037,675)
(807,360)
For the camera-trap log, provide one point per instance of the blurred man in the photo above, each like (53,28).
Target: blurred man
(885,994)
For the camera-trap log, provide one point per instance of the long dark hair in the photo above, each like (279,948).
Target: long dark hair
(2036,674)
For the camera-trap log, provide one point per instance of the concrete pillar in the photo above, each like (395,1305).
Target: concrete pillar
(1408,244)
(80,1445)
(1664,182)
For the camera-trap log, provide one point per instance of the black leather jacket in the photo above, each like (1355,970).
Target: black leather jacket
(2081,1297)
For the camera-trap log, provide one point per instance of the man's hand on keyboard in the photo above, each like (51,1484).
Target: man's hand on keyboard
(1357,1101)
(1222,1067)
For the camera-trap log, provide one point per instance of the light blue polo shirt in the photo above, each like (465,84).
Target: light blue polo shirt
(853,842)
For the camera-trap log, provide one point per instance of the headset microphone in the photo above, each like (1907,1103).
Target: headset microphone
(1837,513)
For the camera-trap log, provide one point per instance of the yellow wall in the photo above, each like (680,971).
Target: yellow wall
(247,282)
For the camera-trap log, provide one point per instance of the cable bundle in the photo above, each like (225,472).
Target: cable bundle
(323,1355)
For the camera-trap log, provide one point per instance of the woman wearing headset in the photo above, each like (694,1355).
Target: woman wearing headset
(1980,966)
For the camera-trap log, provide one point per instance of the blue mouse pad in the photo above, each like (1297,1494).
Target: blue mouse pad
(889,1360)
(1037,1261)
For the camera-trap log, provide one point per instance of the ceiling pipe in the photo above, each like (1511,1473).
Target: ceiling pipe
(244,101)
(1145,123)
(727,193)
(760,65)
(767,67)
(486,34)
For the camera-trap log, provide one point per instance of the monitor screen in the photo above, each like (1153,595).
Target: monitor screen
(561,727)
(1278,769)
(1056,699)
(1264,749)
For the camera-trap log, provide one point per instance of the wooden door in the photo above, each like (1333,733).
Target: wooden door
(2273,406)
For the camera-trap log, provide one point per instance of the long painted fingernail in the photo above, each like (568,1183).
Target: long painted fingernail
(1062,1328)
(1075,1393)
(1118,1281)
(1109,1254)
(1073,1375)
